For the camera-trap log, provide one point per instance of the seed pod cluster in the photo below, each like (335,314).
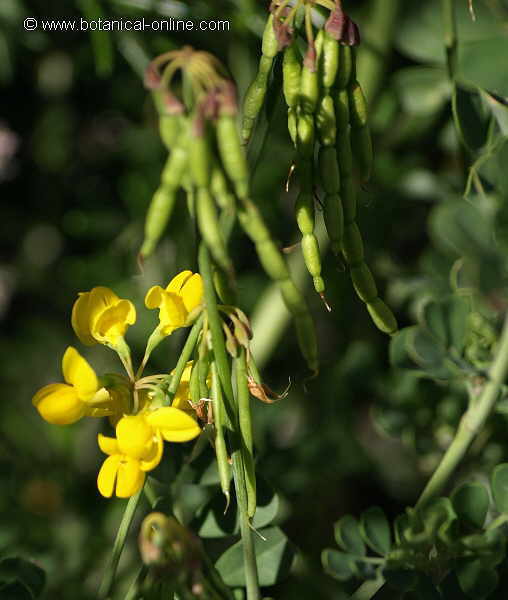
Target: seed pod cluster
(327,121)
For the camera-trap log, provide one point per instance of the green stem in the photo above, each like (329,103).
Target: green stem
(110,571)
(450,36)
(367,589)
(185,356)
(472,421)
(134,591)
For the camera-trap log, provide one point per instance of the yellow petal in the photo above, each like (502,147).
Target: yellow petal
(174,424)
(154,458)
(80,319)
(192,292)
(79,373)
(153,298)
(130,478)
(59,404)
(172,312)
(175,285)
(135,436)
(108,445)
(113,322)
(107,475)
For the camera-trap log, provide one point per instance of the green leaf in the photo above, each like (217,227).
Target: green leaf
(17,568)
(447,320)
(475,580)
(399,356)
(347,535)
(375,530)
(499,483)
(274,556)
(469,116)
(427,352)
(422,90)
(471,503)
(337,564)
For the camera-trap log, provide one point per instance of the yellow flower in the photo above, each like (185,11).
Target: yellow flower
(182,396)
(65,403)
(138,448)
(100,316)
(183,294)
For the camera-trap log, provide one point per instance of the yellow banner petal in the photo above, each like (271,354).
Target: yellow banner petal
(192,292)
(172,313)
(154,458)
(175,285)
(174,424)
(79,373)
(108,445)
(80,319)
(113,322)
(59,404)
(107,475)
(153,298)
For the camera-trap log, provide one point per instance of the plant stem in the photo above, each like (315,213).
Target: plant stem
(450,36)
(367,589)
(134,590)
(472,421)
(110,571)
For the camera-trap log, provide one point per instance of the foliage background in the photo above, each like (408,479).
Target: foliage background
(79,160)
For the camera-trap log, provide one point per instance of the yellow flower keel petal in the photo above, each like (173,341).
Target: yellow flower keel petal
(107,475)
(174,424)
(58,404)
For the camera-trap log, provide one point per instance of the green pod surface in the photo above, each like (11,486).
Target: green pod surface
(352,245)
(304,209)
(269,46)
(157,218)
(334,221)
(382,316)
(219,188)
(329,169)
(220,443)
(344,153)
(194,394)
(361,145)
(173,171)
(169,128)
(305,139)
(357,105)
(255,97)
(346,66)
(292,297)
(306,335)
(348,195)
(292,124)
(341,104)
(325,121)
(291,73)
(364,283)
(312,258)
(209,227)
(232,154)
(200,160)
(309,90)
(329,60)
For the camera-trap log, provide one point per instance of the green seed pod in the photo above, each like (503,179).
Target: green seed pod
(157,218)
(364,283)
(292,124)
(348,195)
(341,100)
(169,128)
(307,341)
(255,97)
(344,153)
(352,245)
(334,221)
(194,394)
(291,73)
(362,151)
(270,46)
(219,188)
(209,227)
(309,90)
(305,140)
(325,121)
(220,442)
(200,160)
(232,154)
(329,170)
(272,261)
(329,60)
(173,171)
(312,258)
(357,105)
(304,210)
(382,316)
(346,66)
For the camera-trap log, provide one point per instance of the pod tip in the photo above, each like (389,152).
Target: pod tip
(325,302)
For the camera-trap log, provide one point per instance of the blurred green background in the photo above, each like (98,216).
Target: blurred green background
(80,158)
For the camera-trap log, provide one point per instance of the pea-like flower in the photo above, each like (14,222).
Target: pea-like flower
(65,403)
(100,316)
(183,294)
(138,448)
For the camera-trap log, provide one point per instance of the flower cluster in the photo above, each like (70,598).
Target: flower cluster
(141,423)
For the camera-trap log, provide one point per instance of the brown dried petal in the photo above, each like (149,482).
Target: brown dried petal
(336,23)
(172,105)
(283,34)
(152,78)
(264,393)
(310,60)
(351,34)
